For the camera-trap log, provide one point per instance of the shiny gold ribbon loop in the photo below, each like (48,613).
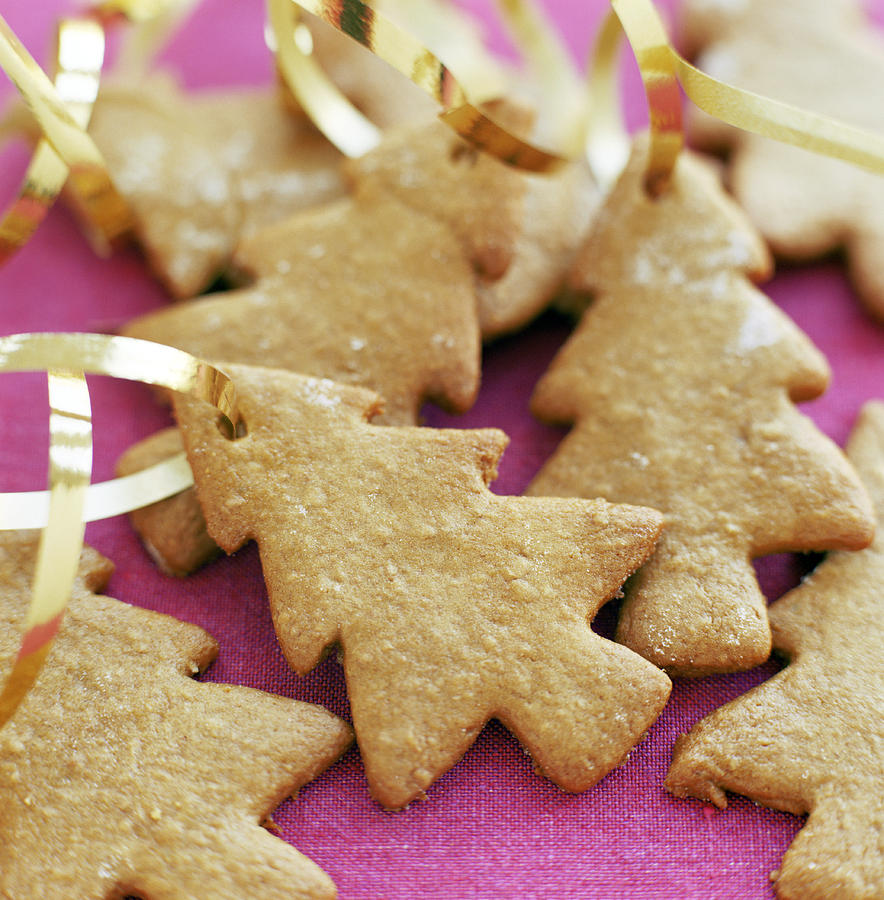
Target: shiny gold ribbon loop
(656,63)
(21,510)
(65,153)
(71,501)
(606,143)
(663,70)
(332,113)
(79,57)
(70,467)
(123,357)
(562,112)
(401,50)
(154,21)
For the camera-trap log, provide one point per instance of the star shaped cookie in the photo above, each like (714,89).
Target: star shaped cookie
(450,605)
(811,739)
(121,776)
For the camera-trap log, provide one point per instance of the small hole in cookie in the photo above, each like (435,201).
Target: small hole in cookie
(231,432)
(462,152)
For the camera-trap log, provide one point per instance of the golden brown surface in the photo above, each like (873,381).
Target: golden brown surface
(811,739)
(365,291)
(203,170)
(173,531)
(381,289)
(681,379)
(519,231)
(450,605)
(821,55)
(120,775)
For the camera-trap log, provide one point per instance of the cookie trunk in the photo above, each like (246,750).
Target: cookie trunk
(696,613)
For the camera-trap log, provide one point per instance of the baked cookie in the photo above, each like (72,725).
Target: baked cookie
(450,605)
(173,531)
(822,55)
(202,171)
(519,231)
(119,775)
(364,290)
(680,381)
(811,739)
(382,289)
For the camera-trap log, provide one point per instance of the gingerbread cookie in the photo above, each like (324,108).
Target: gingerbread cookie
(450,605)
(381,290)
(680,380)
(202,171)
(823,56)
(363,290)
(811,739)
(119,775)
(173,531)
(519,231)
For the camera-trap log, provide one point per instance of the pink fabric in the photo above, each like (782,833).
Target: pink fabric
(490,828)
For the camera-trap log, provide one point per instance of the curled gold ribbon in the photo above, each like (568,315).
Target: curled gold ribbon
(70,466)
(344,125)
(66,357)
(405,53)
(65,154)
(21,510)
(606,143)
(79,57)
(154,21)
(550,62)
(663,70)
(122,357)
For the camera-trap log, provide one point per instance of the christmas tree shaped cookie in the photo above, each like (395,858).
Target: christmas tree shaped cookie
(519,231)
(202,171)
(811,739)
(363,290)
(121,776)
(450,605)
(681,379)
(822,55)
(380,289)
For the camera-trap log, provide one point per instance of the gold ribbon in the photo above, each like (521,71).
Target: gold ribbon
(65,153)
(332,113)
(66,357)
(21,510)
(663,70)
(549,60)
(405,53)
(155,22)
(70,466)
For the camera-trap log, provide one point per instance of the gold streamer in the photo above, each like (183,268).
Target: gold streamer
(606,143)
(557,77)
(332,113)
(663,69)
(154,21)
(122,357)
(66,357)
(406,54)
(79,57)
(21,510)
(81,51)
(70,466)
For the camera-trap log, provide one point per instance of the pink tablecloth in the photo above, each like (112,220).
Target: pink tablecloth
(490,828)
